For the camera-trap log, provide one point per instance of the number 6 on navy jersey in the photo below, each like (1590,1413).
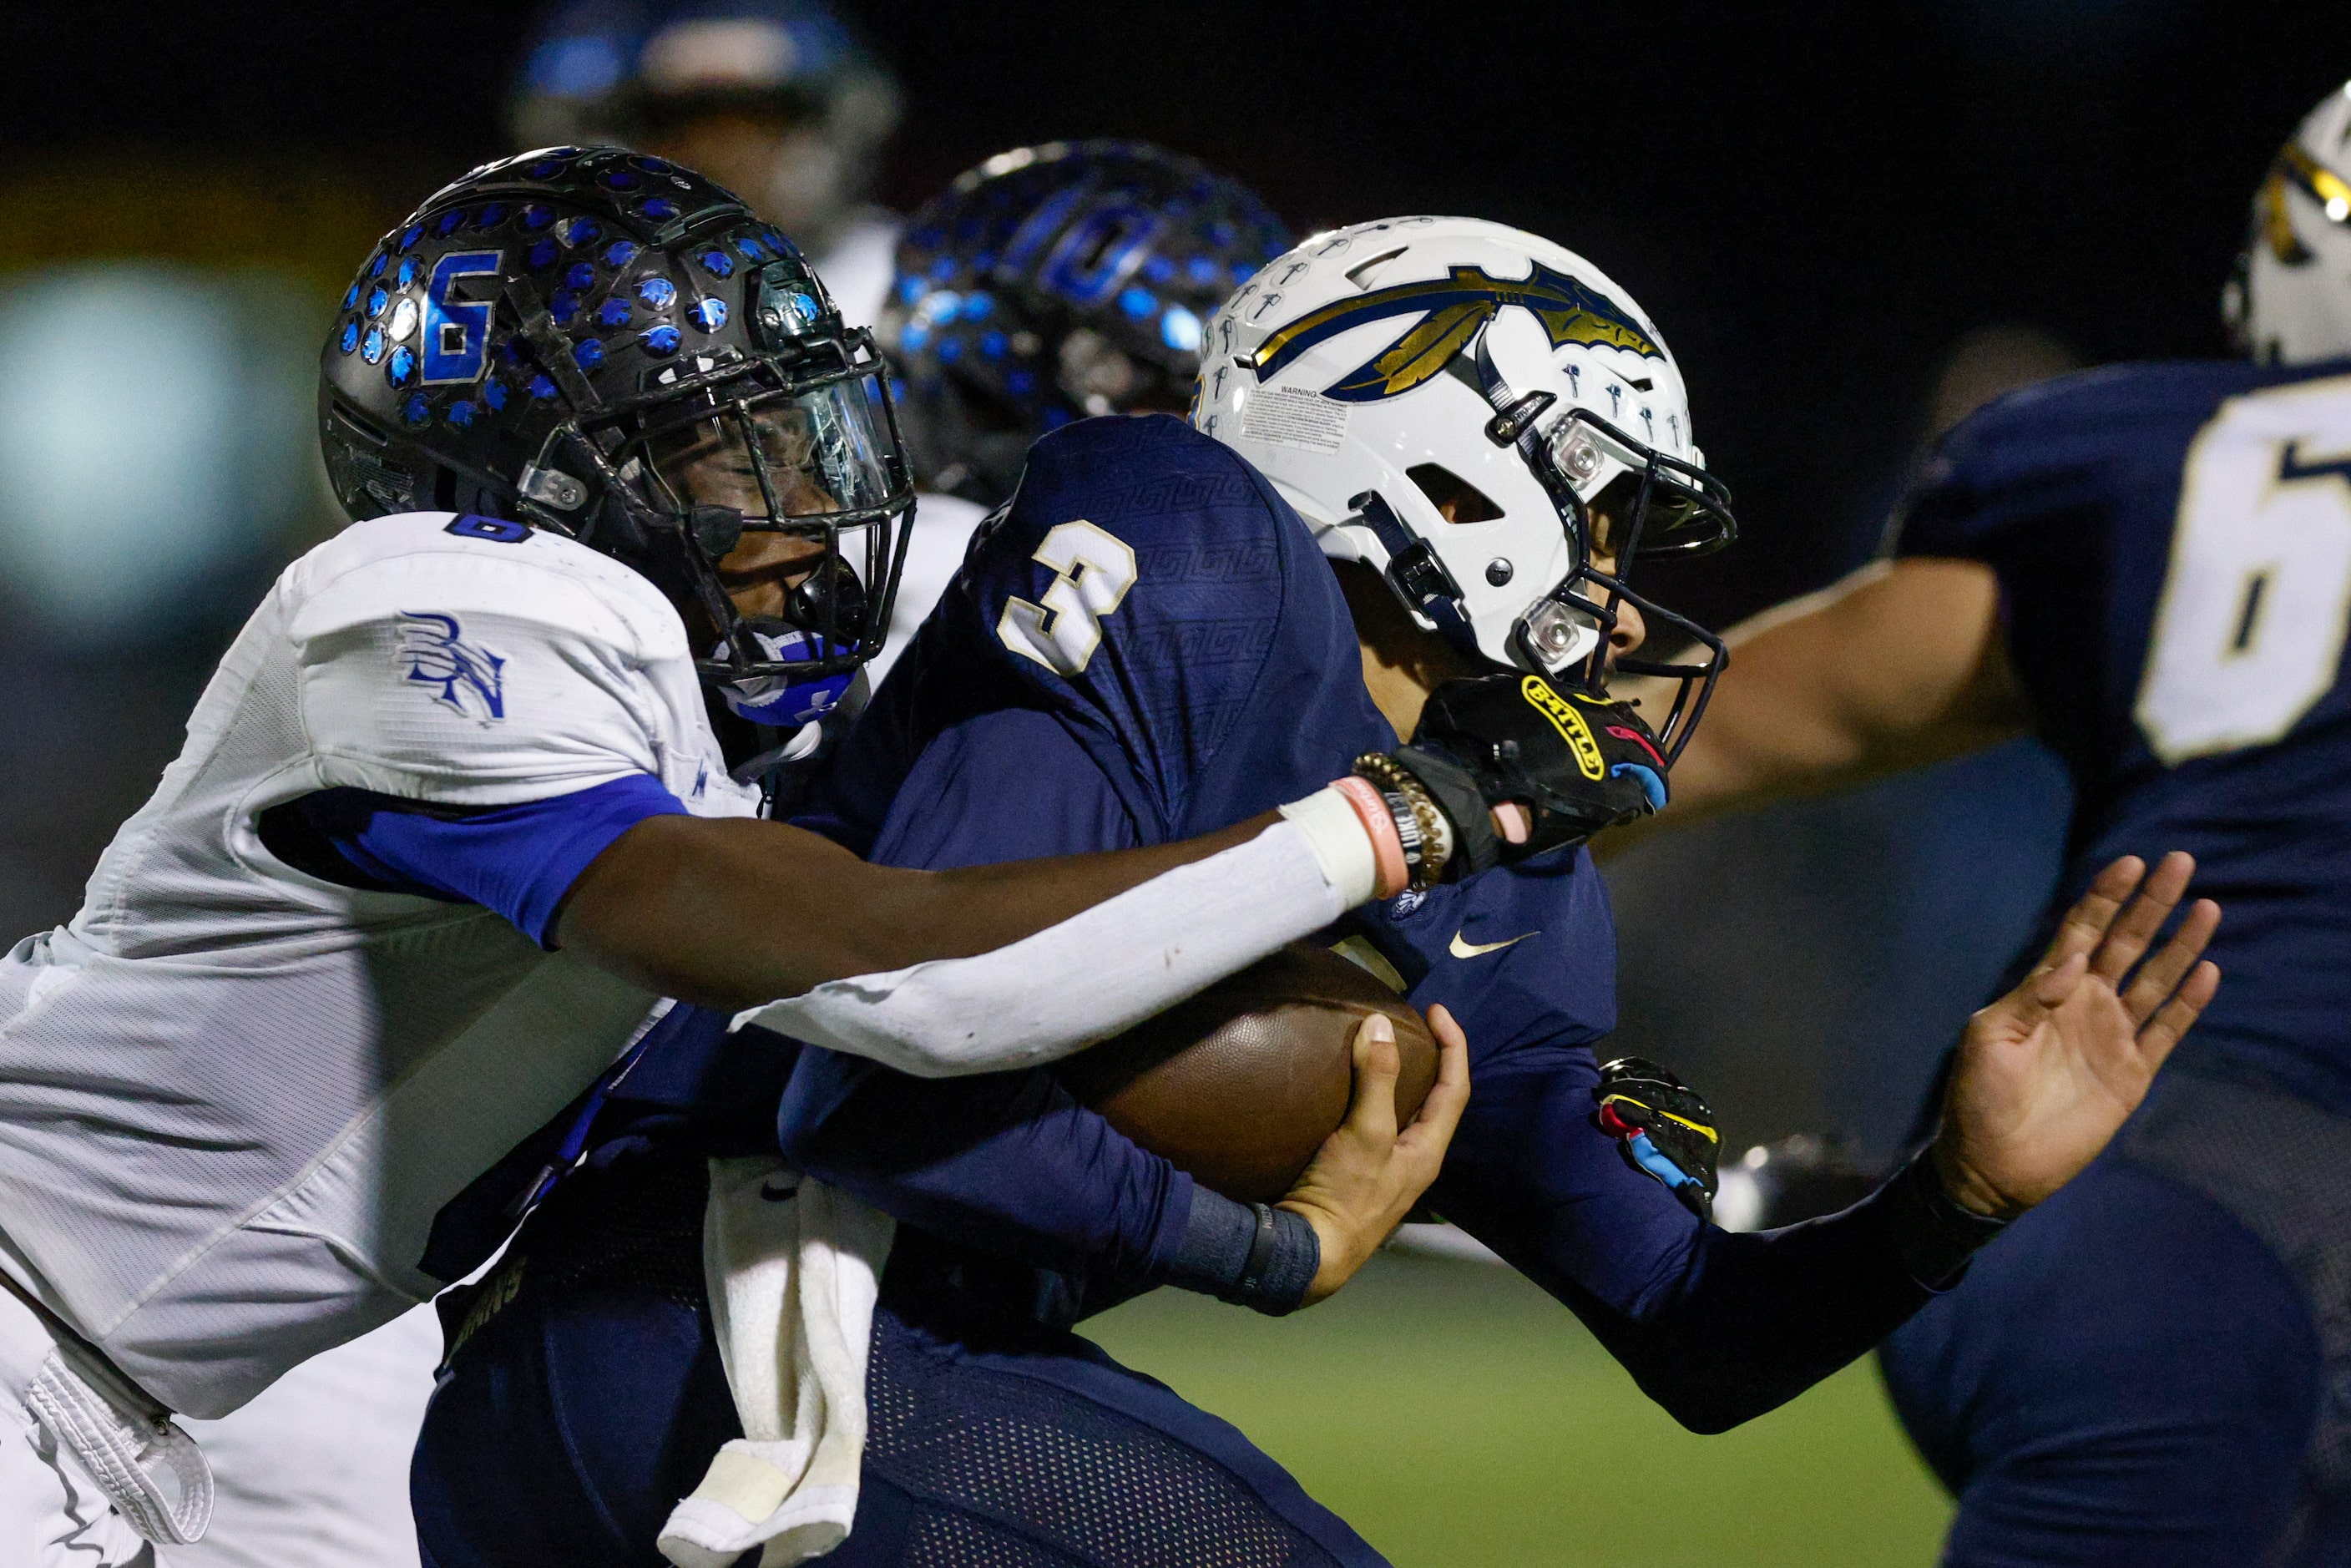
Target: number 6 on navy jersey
(1093,570)
(2249,632)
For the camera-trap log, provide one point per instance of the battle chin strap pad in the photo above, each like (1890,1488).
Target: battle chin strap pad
(1582,763)
(1663,1128)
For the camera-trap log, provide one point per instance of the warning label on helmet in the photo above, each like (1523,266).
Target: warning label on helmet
(1293,416)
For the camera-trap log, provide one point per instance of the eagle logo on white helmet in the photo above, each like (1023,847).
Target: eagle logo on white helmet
(1487,420)
(2289,299)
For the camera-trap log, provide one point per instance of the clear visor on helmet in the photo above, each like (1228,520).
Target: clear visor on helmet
(793,496)
(790,460)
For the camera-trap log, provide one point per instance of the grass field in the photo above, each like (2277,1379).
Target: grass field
(1460,1419)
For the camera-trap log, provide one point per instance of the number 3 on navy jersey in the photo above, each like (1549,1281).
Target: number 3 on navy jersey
(2249,632)
(1092,572)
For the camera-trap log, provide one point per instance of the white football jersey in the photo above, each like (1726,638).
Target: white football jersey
(859,264)
(231,1095)
(934,551)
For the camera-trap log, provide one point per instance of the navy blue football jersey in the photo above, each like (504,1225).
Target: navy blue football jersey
(2173,546)
(1147,645)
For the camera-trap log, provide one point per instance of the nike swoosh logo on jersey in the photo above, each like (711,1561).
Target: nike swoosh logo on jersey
(1462,949)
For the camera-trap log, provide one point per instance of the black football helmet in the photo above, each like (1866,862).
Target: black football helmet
(610,347)
(1059,281)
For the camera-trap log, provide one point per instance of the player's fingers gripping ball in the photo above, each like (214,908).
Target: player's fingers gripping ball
(1663,1127)
(1242,1084)
(1579,762)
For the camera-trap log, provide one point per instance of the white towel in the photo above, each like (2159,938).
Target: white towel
(793,1268)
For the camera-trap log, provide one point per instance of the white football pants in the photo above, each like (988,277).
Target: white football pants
(52,1515)
(314,1472)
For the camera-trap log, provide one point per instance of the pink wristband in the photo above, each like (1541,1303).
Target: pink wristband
(1379,823)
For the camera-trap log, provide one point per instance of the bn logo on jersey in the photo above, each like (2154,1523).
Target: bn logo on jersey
(471,678)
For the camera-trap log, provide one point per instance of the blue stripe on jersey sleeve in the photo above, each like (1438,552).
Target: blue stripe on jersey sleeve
(519,860)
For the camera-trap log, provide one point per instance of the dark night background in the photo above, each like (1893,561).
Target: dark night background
(1815,203)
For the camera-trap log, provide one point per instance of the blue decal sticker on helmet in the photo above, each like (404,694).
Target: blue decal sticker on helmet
(457,332)
(707,314)
(662,339)
(401,366)
(1097,253)
(657,293)
(1180,329)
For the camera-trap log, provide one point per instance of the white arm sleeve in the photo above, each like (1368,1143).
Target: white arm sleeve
(1099,972)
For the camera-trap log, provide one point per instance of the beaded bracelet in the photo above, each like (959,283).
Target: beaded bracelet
(1436,834)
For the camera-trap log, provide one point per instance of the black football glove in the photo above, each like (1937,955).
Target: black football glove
(1576,762)
(1663,1127)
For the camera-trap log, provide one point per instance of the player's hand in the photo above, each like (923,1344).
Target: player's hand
(1367,1174)
(1574,762)
(2046,1075)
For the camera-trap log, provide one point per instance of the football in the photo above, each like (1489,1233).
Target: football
(1239,1085)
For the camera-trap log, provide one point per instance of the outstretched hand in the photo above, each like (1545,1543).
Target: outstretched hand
(2046,1075)
(1367,1174)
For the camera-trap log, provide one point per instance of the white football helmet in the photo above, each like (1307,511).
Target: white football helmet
(2289,300)
(1444,398)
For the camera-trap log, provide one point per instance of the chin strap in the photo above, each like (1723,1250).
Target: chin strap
(1415,573)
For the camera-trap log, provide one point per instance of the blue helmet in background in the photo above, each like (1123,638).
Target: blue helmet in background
(1059,281)
(673,77)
